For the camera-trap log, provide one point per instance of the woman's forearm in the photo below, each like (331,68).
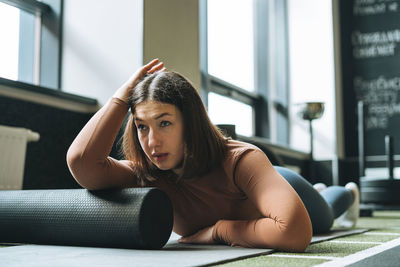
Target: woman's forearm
(293,235)
(87,156)
(284,222)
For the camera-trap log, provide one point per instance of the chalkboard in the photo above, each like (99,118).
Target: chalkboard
(370,55)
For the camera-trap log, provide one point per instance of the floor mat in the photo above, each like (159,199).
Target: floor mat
(336,233)
(173,254)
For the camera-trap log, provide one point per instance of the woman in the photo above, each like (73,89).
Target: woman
(222,191)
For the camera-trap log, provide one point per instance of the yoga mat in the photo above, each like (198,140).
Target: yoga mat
(173,254)
(125,218)
(335,234)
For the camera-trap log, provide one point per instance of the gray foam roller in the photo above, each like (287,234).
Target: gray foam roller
(139,218)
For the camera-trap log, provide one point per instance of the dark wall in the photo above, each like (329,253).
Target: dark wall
(370,70)
(45,165)
(370,55)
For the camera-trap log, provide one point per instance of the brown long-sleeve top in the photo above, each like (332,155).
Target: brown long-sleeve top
(246,200)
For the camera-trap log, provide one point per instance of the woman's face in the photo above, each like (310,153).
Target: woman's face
(160,132)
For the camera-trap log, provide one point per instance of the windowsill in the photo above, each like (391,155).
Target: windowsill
(48,91)
(47,96)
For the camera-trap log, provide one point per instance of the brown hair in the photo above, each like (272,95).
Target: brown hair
(205,146)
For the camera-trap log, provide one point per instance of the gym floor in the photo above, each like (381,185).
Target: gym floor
(380,246)
(366,249)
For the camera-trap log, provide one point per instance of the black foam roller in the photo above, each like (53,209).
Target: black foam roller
(140,218)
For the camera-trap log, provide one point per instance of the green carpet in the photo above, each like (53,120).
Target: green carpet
(384,226)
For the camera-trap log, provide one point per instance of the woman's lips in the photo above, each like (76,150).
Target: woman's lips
(160,156)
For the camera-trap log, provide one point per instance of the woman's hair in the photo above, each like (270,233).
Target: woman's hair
(204,144)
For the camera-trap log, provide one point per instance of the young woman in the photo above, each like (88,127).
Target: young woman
(222,190)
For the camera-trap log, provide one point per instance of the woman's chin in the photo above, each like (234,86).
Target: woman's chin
(176,168)
(163,167)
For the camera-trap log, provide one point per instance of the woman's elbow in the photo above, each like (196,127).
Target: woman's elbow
(299,234)
(75,164)
(88,173)
(74,161)
(301,243)
(294,241)
(71,157)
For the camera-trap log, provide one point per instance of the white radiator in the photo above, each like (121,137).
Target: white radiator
(13,142)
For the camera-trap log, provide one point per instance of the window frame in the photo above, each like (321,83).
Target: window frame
(30,6)
(270,105)
(47,43)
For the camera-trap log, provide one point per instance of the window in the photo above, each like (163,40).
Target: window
(230,42)
(224,110)
(229,69)
(312,73)
(30,47)
(244,74)
(262,57)
(9,25)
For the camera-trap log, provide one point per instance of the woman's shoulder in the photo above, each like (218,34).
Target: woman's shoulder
(235,151)
(236,148)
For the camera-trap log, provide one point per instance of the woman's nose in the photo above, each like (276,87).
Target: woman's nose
(154,139)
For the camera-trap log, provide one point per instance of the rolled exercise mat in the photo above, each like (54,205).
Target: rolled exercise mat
(139,218)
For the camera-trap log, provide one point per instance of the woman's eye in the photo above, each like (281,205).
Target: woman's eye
(141,127)
(165,123)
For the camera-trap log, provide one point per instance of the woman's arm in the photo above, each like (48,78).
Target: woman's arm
(285,223)
(87,156)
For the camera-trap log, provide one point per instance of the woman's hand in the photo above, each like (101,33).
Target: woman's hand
(204,236)
(124,91)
